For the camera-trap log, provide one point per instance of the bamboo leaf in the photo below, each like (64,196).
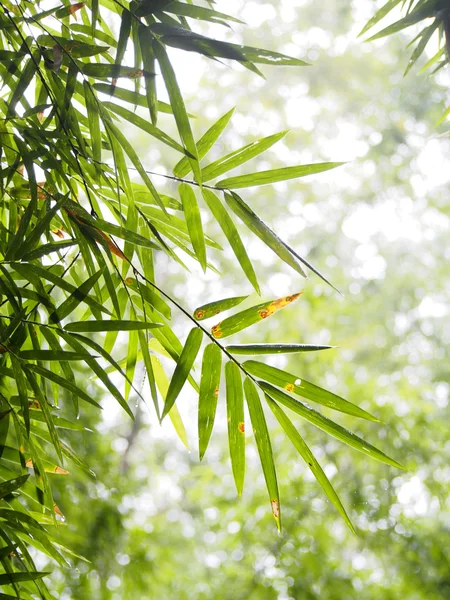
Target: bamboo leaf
(236,423)
(214,308)
(310,460)
(240,156)
(274,348)
(178,107)
(61,355)
(209,393)
(112,325)
(148,57)
(70,304)
(232,235)
(328,425)
(301,387)
(264,446)
(250,316)
(182,370)
(275,175)
(205,143)
(194,222)
(7,487)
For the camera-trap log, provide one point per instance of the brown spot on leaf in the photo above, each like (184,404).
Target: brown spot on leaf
(129,280)
(275,509)
(200,314)
(216,392)
(60,471)
(57,510)
(29,464)
(74,7)
(264,314)
(241,427)
(217,333)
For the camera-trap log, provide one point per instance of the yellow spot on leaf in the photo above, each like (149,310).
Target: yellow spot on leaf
(217,333)
(200,314)
(129,280)
(241,427)
(289,387)
(216,392)
(60,471)
(277,304)
(29,464)
(275,509)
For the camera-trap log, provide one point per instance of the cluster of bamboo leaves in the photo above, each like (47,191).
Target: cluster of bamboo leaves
(81,224)
(435,14)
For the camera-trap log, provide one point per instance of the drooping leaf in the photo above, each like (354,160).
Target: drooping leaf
(209,393)
(183,368)
(250,316)
(274,348)
(236,423)
(328,425)
(264,446)
(112,325)
(299,386)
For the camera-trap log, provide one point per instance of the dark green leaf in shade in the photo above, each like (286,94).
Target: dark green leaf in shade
(274,348)
(194,222)
(124,34)
(105,71)
(183,368)
(58,355)
(250,316)
(129,96)
(112,325)
(198,12)
(229,228)
(327,425)
(21,384)
(214,308)
(264,446)
(7,487)
(275,175)
(417,15)
(297,385)
(148,57)
(70,304)
(204,145)
(46,249)
(236,423)
(11,578)
(209,393)
(310,460)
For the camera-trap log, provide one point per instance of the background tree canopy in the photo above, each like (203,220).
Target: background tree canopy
(122,230)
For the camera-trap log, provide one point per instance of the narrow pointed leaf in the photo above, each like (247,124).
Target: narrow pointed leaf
(204,144)
(229,228)
(194,222)
(236,423)
(275,175)
(274,348)
(183,368)
(297,385)
(46,249)
(112,325)
(241,156)
(60,355)
(250,316)
(209,393)
(264,446)
(148,57)
(21,384)
(310,460)
(178,107)
(70,304)
(7,487)
(328,425)
(214,308)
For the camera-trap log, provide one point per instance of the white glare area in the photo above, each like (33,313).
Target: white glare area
(414,497)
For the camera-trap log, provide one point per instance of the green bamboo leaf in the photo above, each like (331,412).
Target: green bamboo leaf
(199,12)
(264,446)
(71,303)
(112,325)
(299,386)
(150,297)
(7,487)
(21,384)
(61,355)
(209,393)
(93,114)
(380,14)
(11,578)
(148,57)
(310,460)
(214,308)
(162,382)
(149,7)
(236,423)
(411,19)
(204,145)
(68,385)
(194,222)
(274,348)
(124,34)
(425,37)
(250,316)
(106,71)
(46,249)
(178,107)
(26,77)
(130,96)
(267,57)
(240,156)
(184,365)
(275,175)
(232,235)
(144,125)
(327,425)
